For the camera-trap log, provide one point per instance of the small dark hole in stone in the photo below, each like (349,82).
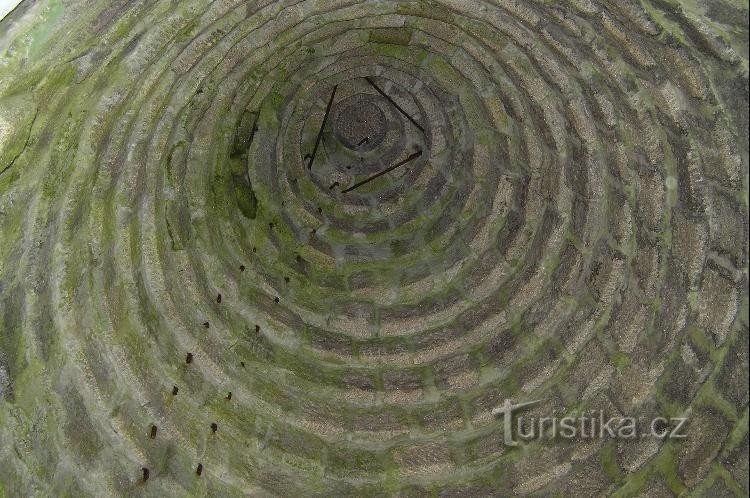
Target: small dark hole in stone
(174,390)
(145,474)
(153,432)
(218,298)
(242,267)
(206,324)
(199,469)
(189,358)
(214,427)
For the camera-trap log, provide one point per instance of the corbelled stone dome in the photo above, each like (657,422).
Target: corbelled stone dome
(305,248)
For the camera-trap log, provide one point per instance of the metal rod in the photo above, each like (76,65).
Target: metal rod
(381,173)
(320,133)
(398,107)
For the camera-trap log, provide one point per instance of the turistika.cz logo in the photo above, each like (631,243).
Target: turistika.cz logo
(592,425)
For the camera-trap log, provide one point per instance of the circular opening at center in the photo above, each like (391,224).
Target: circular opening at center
(361,126)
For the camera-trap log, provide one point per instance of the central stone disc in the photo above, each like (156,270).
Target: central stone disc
(361,125)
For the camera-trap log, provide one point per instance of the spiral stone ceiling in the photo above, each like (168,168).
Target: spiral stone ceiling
(305,247)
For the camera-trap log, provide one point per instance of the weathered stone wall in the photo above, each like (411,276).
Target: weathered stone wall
(188,309)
